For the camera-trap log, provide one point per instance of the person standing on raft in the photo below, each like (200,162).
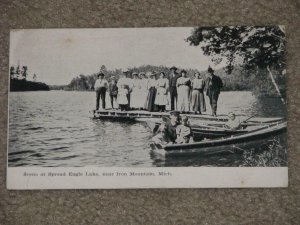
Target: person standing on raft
(197,97)
(213,86)
(161,99)
(100,86)
(172,87)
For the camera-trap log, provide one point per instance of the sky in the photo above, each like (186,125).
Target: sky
(58,55)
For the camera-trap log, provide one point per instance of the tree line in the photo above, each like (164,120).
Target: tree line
(238,80)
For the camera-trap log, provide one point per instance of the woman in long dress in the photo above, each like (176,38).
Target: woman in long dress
(161,99)
(122,98)
(197,96)
(183,88)
(135,92)
(143,90)
(152,84)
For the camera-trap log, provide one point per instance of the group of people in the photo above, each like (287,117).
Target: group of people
(178,130)
(144,91)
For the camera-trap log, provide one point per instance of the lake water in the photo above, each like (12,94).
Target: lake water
(55,129)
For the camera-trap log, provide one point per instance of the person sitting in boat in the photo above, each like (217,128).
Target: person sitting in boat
(233,122)
(122,99)
(161,137)
(167,130)
(184,132)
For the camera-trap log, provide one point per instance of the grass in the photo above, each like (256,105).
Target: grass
(274,154)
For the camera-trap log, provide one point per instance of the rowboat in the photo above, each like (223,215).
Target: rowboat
(211,131)
(229,144)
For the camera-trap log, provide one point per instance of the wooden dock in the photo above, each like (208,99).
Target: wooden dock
(140,115)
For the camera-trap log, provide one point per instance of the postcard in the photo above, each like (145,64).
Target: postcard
(169,107)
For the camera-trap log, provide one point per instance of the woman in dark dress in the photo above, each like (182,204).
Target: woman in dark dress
(152,84)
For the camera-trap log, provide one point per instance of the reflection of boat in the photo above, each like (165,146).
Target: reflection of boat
(220,145)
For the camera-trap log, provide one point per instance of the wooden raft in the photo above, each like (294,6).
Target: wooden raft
(140,115)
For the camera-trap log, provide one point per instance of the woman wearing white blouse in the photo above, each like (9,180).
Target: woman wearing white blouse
(161,99)
(183,86)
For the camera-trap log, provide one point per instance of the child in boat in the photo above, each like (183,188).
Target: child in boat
(122,97)
(184,132)
(233,123)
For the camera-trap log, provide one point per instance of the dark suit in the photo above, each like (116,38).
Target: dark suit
(173,89)
(213,86)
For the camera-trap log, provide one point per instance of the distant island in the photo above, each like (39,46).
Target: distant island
(18,80)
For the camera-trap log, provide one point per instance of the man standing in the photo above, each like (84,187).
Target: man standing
(213,87)
(172,86)
(100,86)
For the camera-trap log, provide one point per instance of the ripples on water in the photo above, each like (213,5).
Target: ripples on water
(54,129)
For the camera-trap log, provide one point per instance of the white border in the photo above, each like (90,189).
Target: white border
(172,177)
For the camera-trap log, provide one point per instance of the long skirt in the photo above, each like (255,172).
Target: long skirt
(150,106)
(183,101)
(161,96)
(198,101)
(136,101)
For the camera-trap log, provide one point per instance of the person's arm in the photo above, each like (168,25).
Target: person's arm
(178,82)
(96,85)
(106,85)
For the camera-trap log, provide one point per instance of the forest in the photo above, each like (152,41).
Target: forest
(238,80)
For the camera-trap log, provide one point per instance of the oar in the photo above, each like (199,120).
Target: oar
(249,118)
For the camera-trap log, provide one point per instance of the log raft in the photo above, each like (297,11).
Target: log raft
(140,115)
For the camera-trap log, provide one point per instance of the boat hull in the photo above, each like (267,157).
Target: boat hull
(234,144)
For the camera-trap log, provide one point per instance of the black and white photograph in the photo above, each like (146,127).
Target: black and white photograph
(148,99)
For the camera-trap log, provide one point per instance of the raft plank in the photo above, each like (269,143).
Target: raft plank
(98,114)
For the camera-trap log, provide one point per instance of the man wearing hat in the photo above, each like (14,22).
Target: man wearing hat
(100,86)
(172,86)
(213,86)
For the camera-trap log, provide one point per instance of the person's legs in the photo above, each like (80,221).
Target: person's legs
(111,101)
(115,99)
(214,101)
(97,99)
(172,95)
(128,98)
(103,92)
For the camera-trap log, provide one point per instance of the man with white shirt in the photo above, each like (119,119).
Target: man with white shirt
(100,86)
